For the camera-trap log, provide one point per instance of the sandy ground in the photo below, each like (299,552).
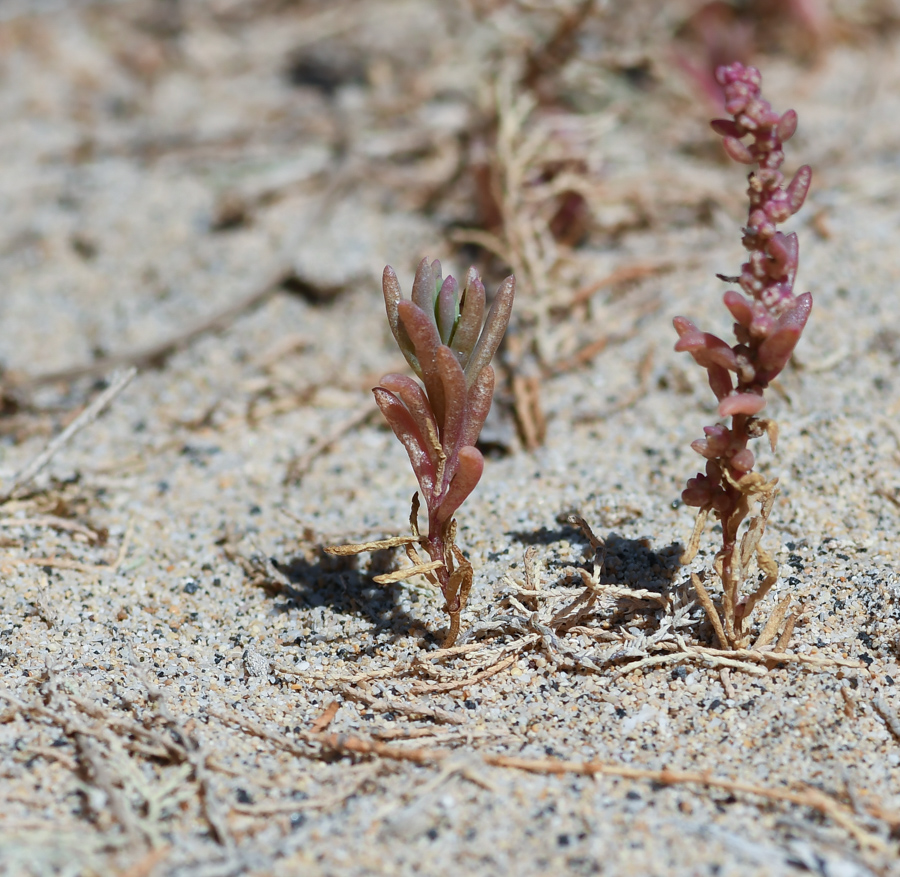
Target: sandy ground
(176,648)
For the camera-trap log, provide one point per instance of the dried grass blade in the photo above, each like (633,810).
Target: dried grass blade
(710,609)
(693,545)
(771,627)
(400,575)
(374,545)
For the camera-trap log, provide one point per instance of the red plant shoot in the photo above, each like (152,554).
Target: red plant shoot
(769,319)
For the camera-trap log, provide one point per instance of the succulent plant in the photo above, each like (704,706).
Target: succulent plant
(769,319)
(440,332)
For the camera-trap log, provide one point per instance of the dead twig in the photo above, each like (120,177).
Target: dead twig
(558,48)
(803,796)
(399,707)
(118,382)
(327,717)
(465,682)
(95,769)
(191,752)
(77,565)
(800,795)
(891,719)
(55,523)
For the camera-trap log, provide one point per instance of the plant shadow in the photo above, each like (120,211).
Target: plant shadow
(634,563)
(628,563)
(345,587)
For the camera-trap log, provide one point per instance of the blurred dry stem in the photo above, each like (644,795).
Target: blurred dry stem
(800,795)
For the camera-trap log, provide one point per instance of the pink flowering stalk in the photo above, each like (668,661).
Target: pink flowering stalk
(769,319)
(441,335)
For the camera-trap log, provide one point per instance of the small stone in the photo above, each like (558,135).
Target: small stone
(255,664)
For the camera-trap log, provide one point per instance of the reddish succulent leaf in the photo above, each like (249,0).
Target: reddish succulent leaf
(776,350)
(447,300)
(787,125)
(743,460)
(471,314)
(454,382)
(471,465)
(424,336)
(683,325)
(494,328)
(416,402)
(425,285)
(696,497)
(701,446)
(740,308)
(404,427)
(738,151)
(479,402)
(792,245)
(727,128)
(707,349)
(741,403)
(392,298)
(798,187)
(719,381)
(779,256)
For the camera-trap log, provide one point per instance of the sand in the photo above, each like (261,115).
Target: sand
(177,649)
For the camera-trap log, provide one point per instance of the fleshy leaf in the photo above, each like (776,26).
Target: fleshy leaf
(494,329)
(798,187)
(416,402)
(719,381)
(424,336)
(468,474)
(707,349)
(741,403)
(740,308)
(683,325)
(776,350)
(447,309)
(454,382)
(479,403)
(737,150)
(425,285)
(404,427)
(787,125)
(726,128)
(392,297)
(471,314)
